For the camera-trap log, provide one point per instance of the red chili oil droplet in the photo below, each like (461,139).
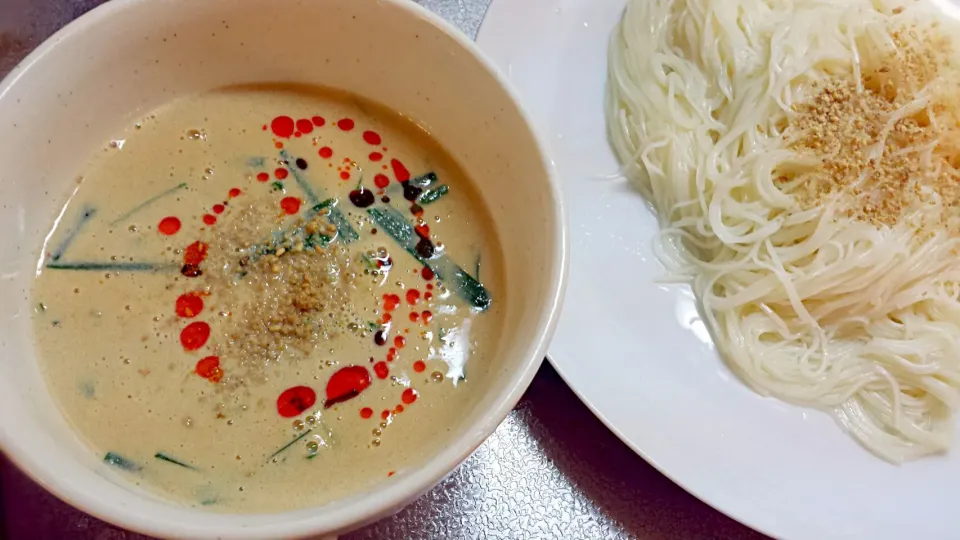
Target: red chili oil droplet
(278,145)
(391,473)
(345,124)
(390,302)
(209,368)
(297,134)
(399,171)
(326,152)
(293,401)
(428,296)
(195,253)
(318,121)
(427,273)
(429,286)
(419,366)
(366,412)
(422,230)
(169,226)
(385,414)
(282,126)
(344,175)
(290,205)
(427,316)
(347,383)
(281,173)
(234,192)
(264,127)
(381,369)
(218,208)
(409,396)
(399,341)
(398,409)
(372,137)
(413,296)
(263,177)
(375,156)
(387,318)
(195,335)
(381,181)
(304,125)
(189,305)
(414,317)
(209,219)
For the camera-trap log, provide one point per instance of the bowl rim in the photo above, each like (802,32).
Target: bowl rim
(362,508)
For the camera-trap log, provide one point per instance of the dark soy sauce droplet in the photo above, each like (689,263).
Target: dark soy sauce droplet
(410,191)
(301,163)
(425,248)
(362,198)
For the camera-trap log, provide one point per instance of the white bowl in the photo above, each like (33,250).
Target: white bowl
(127,57)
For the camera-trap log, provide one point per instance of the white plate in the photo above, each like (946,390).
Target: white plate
(639,355)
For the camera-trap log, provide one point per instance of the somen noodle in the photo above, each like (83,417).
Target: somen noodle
(802,157)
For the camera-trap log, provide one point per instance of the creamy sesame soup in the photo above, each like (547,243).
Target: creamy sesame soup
(265,298)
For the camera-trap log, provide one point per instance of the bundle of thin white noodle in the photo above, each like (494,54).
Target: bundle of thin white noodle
(808,305)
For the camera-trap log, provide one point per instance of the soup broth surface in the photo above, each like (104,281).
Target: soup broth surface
(265,298)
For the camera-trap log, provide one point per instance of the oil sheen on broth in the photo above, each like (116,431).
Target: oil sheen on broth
(265,298)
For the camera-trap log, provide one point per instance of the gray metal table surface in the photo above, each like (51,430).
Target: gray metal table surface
(551,470)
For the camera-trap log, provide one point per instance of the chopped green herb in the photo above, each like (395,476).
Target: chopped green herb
(148,202)
(464,285)
(208,502)
(432,195)
(424,181)
(297,234)
(313,455)
(369,262)
(121,462)
(324,204)
(113,266)
(373,326)
(277,186)
(339,220)
(164,457)
(85,216)
(289,444)
(41,307)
